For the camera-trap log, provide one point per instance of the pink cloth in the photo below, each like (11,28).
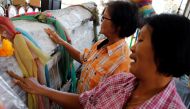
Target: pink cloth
(115,91)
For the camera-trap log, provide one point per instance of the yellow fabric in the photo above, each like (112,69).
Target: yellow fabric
(21,65)
(42,56)
(24,54)
(26,62)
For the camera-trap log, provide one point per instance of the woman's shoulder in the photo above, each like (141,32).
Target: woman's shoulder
(117,82)
(168,98)
(120,78)
(113,88)
(122,75)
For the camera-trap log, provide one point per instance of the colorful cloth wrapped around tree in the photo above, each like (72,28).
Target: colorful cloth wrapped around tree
(66,63)
(28,61)
(74,23)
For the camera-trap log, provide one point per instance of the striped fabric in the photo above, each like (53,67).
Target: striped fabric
(115,91)
(98,64)
(145,7)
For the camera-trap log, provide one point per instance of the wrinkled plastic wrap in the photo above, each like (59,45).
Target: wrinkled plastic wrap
(10,64)
(75,19)
(8,98)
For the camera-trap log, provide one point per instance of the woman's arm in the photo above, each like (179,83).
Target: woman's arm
(67,100)
(72,51)
(31,85)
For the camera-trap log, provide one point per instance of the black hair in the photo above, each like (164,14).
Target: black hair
(124,15)
(170,39)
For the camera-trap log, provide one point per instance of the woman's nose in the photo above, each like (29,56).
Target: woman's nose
(133,48)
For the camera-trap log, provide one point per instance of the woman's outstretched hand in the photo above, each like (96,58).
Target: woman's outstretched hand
(53,35)
(29,85)
(75,54)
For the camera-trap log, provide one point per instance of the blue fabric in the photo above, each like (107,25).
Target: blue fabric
(137,34)
(47,76)
(184,79)
(184,92)
(148,13)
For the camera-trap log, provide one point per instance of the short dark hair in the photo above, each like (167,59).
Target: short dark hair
(171,43)
(124,15)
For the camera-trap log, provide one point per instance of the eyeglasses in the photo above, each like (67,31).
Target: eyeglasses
(104,18)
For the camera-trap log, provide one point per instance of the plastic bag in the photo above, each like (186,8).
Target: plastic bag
(9,98)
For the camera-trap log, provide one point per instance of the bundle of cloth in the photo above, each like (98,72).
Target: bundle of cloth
(29,57)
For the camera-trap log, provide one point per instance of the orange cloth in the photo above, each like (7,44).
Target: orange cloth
(6,48)
(102,63)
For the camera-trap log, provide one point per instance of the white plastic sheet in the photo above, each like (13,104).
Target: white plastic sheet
(8,98)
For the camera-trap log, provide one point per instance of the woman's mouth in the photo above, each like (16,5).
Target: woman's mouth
(133,59)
